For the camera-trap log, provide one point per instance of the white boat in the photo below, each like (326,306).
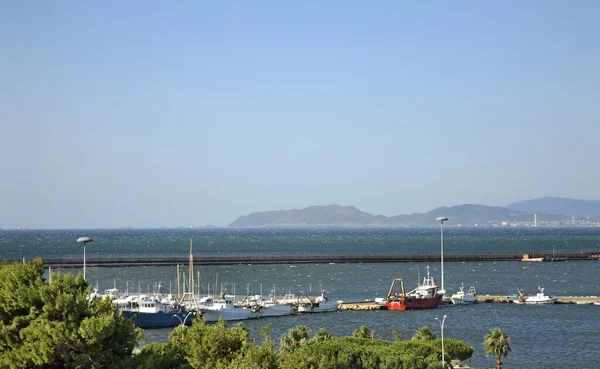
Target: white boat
(596,303)
(460,298)
(320,304)
(538,299)
(260,307)
(583,302)
(223,308)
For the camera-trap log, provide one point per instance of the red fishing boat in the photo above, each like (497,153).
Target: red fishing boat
(425,296)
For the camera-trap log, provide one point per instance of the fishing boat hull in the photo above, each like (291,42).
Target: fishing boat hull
(407,303)
(277,310)
(160,319)
(213,315)
(322,307)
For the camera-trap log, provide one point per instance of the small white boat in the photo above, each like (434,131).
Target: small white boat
(320,304)
(596,303)
(583,302)
(460,298)
(538,299)
(265,308)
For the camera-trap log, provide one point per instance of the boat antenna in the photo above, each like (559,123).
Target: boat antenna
(418,276)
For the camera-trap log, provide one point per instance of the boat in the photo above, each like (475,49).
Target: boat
(537,299)
(596,303)
(586,302)
(260,307)
(222,308)
(319,304)
(153,312)
(527,258)
(460,298)
(425,296)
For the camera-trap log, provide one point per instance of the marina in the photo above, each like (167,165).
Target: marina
(351,283)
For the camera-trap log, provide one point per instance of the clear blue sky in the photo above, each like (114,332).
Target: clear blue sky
(157,113)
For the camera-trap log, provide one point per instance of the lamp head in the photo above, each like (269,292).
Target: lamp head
(441,219)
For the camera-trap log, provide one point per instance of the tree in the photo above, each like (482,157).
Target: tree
(44,325)
(296,337)
(211,346)
(364,332)
(396,333)
(424,334)
(322,335)
(497,343)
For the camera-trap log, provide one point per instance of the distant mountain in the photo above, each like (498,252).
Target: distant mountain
(313,216)
(559,205)
(350,216)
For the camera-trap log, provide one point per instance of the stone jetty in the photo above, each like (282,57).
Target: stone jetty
(490,299)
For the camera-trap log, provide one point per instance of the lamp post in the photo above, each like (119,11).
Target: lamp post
(84,240)
(441,220)
(442,329)
(182,321)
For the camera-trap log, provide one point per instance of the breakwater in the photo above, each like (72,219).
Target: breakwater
(233,258)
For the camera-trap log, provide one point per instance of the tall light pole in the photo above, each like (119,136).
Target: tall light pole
(441,220)
(442,329)
(183,321)
(84,240)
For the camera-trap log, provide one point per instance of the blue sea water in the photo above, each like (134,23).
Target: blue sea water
(557,336)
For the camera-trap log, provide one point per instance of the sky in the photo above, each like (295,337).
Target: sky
(155,113)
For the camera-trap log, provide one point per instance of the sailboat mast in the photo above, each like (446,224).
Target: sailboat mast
(191,273)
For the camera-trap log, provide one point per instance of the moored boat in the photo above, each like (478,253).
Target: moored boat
(320,304)
(462,297)
(154,312)
(213,310)
(425,296)
(538,299)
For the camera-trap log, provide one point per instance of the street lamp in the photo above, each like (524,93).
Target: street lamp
(442,329)
(84,240)
(441,220)
(183,321)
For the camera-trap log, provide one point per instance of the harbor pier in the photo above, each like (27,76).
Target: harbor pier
(315,257)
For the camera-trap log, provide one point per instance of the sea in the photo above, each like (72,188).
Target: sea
(554,336)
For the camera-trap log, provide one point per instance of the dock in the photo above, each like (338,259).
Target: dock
(486,299)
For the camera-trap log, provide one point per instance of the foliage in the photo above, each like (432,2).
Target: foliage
(396,333)
(361,353)
(424,334)
(364,332)
(322,335)
(296,337)
(159,356)
(216,346)
(497,343)
(45,325)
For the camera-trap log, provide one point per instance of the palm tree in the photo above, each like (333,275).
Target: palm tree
(364,332)
(295,338)
(497,343)
(424,334)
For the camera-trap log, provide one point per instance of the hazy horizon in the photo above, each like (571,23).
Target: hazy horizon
(154,114)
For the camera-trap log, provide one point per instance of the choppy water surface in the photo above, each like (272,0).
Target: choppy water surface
(558,336)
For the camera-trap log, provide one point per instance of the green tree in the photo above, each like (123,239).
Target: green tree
(364,332)
(322,335)
(211,346)
(424,334)
(396,333)
(497,343)
(48,325)
(296,337)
